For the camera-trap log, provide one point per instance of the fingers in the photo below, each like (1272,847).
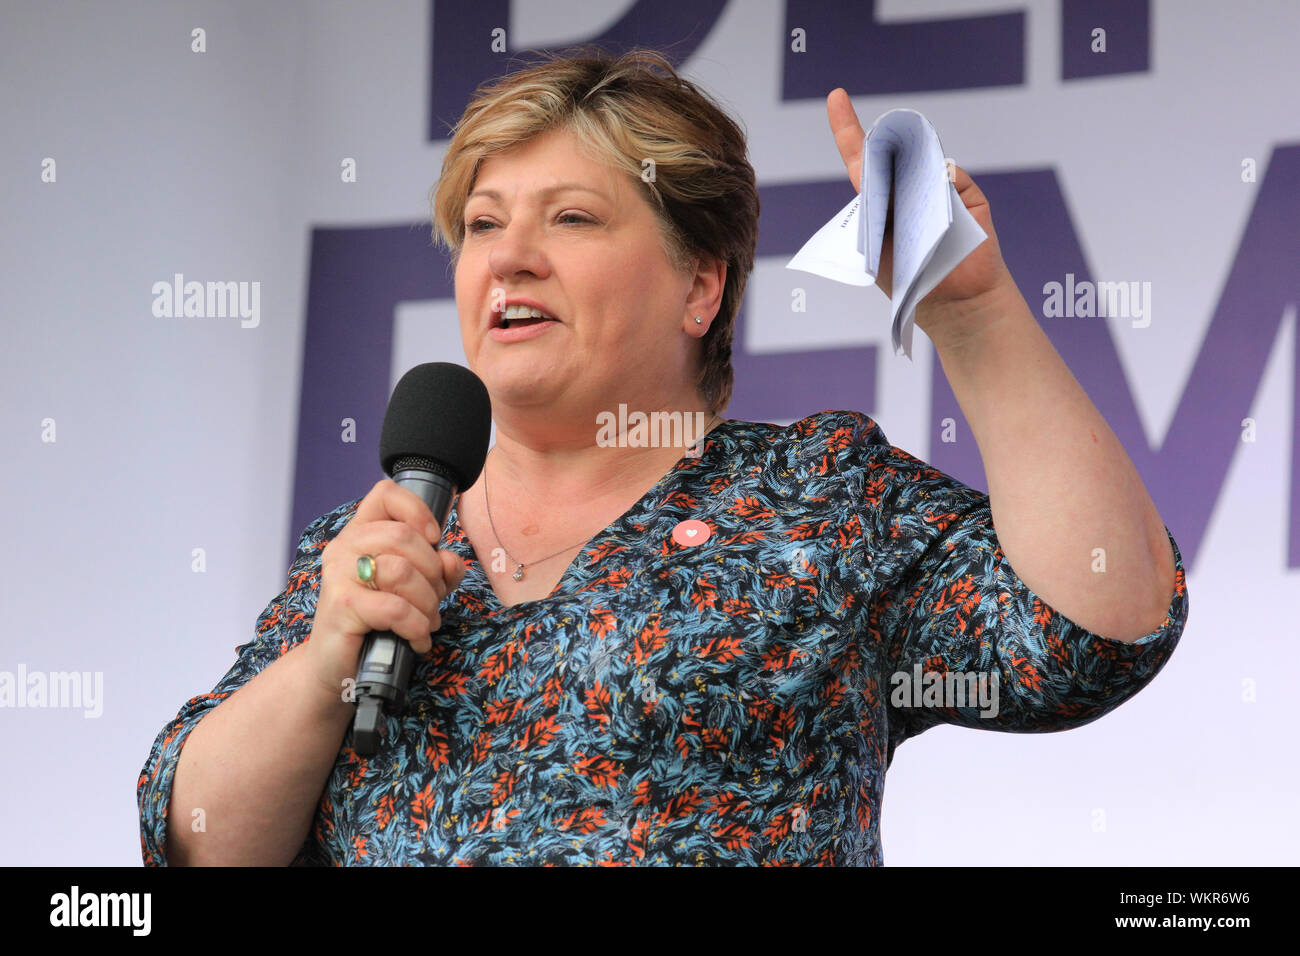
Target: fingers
(972,196)
(385,611)
(407,566)
(848,133)
(392,524)
(453,570)
(383,538)
(844,120)
(412,577)
(960,178)
(388,500)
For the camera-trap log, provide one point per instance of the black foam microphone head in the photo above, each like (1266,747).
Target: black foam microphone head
(439,411)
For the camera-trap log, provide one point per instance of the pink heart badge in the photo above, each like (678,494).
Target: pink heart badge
(690,533)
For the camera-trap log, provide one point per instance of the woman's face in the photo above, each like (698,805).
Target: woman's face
(548,224)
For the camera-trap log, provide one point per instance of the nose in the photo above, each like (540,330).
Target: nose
(517,249)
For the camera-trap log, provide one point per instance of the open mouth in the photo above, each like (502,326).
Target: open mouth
(517,315)
(521,322)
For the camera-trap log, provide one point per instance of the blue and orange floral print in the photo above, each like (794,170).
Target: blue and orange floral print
(727,702)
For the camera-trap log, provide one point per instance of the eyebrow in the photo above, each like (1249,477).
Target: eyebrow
(548,191)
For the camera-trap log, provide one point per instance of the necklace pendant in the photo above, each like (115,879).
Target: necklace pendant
(519,573)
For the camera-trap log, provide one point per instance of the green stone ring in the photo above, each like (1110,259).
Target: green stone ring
(367,569)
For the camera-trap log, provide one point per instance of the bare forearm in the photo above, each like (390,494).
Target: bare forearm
(1060,483)
(256,765)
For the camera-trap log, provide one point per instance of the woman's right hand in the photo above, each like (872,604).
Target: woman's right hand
(392,525)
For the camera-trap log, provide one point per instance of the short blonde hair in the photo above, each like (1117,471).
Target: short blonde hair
(625,110)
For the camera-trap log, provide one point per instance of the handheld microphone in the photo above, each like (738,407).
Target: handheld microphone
(434,442)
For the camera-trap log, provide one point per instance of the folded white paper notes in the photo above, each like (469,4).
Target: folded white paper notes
(933,232)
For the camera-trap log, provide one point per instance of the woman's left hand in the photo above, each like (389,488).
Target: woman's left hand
(981,272)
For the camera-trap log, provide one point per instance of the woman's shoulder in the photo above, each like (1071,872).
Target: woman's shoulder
(840,423)
(822,457)
(821,440)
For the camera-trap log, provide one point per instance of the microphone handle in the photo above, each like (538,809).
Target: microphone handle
(384,668)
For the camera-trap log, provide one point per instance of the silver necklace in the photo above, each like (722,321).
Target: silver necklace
(519,566)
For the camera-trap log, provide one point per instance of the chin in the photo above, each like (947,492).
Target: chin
(521,382)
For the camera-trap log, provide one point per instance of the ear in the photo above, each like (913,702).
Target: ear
(705,297)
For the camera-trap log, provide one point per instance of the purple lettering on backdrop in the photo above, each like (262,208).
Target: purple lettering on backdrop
(462,55)
(358,275)
(953,53)
(1128,40)
(785,385)
(847,47)
(1186,473)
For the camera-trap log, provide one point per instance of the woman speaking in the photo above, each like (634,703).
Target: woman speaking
(700,652)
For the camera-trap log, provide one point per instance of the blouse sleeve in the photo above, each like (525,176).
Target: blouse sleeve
(949,611)
(284,623)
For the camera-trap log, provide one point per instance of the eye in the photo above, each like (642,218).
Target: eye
(476,226)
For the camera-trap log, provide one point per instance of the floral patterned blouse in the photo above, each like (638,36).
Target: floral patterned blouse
(721,677)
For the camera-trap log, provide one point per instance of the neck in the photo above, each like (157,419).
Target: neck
(598,459)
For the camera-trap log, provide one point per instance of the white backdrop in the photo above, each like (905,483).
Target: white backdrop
(174,435)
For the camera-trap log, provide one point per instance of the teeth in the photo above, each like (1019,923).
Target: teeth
(524,312)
